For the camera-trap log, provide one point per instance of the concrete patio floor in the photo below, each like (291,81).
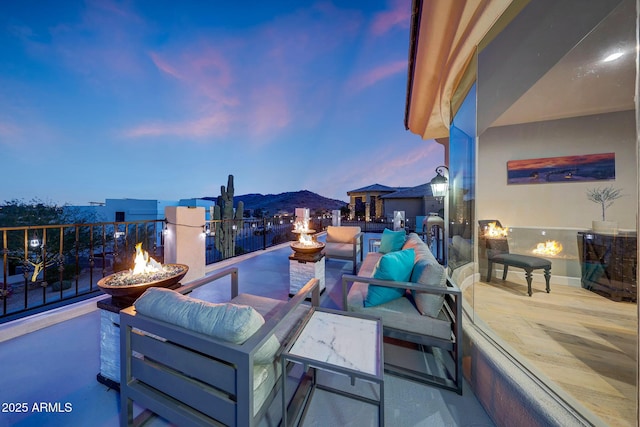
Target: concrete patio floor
(49,374)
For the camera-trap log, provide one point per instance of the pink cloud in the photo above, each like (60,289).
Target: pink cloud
(399,15)
(258,99)
(259,78)
(411,162)
(10,135)
(202,70)
(213,125)
(111,7)
(394,167)
(164,66)
(7,129)
(373,76)
(270,110)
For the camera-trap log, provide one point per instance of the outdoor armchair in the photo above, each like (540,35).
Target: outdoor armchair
(177,364)
(344,242)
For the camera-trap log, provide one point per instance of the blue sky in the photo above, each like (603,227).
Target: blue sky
(164,99)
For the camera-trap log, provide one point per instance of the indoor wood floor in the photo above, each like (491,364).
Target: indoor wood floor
(582,341)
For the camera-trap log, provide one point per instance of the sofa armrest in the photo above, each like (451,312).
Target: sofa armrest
(358,245)
(262,335)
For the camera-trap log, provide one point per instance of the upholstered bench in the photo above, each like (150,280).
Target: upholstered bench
(526,262)
(498,253)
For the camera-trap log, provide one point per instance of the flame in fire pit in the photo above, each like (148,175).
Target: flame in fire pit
(305,243)
(306,240)
(492,230)
(550,247)
(302,227)
(143,263)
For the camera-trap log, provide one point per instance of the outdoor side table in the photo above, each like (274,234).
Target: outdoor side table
(343,343)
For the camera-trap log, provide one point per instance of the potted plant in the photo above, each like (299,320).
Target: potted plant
(605,198)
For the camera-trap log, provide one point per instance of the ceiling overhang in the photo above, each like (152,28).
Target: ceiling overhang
(444,38)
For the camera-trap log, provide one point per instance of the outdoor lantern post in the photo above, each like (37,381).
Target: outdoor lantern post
(440,190)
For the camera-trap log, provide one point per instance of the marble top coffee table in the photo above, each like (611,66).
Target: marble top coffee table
(335,341)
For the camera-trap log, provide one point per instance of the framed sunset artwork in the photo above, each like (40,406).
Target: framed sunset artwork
(581,168)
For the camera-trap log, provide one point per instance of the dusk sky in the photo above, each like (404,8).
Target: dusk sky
(164,99)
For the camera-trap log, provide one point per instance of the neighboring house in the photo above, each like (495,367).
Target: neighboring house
(367,201)
(126,210)
(380,201)
(415,202)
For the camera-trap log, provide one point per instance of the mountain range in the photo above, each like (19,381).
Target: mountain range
(287,202)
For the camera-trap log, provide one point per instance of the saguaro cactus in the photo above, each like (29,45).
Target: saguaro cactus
(231,222)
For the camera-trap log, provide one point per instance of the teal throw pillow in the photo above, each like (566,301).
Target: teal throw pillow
(395,266)
(392,240)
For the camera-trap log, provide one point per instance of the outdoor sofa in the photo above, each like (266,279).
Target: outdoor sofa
(409,291)
(198,363)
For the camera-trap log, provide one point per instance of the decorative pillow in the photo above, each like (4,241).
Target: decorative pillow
(427,272)
(394,266)
(392,241)
(228,322)
(414,241)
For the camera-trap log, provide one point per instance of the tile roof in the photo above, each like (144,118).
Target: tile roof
(374,187)
(410,193)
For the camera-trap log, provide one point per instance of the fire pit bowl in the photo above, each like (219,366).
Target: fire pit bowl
(124,286)
(307,249)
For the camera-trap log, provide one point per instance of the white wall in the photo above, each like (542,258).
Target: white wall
(557,204)
(136,209)
(184,240)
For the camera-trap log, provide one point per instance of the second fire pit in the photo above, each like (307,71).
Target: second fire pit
(305,244)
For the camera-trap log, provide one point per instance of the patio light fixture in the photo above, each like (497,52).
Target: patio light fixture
(440,190)
(440,183)
(34,242)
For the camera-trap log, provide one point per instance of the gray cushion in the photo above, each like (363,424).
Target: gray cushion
(264,379)
(265,375)
(342,234)
(341,250)
(522,261)
(268,306)
(422,250)
(369,264)
(426,271)
(228,322)
(399,313)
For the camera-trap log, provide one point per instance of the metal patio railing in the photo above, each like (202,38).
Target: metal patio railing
(252,235)
(45,266)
